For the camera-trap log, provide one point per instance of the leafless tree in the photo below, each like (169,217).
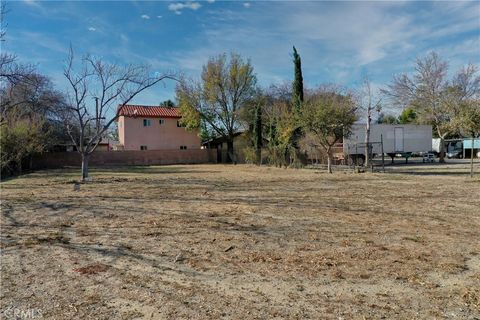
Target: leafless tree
(369,104)
(466,83)
(12,75)
(464,97)
(11,72)
(35,95)
(426,91)
(93,94)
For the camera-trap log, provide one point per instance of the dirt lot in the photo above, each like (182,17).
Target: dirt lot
(240,242)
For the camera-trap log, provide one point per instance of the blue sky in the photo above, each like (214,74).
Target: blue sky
(338,41)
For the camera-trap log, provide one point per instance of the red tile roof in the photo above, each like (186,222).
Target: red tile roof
(130,110)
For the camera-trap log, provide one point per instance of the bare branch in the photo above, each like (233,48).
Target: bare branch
(109,85)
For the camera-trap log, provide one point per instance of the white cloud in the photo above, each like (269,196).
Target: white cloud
(92,29)
(178,7)
(210,1)
(124,38)
(246,4)
(31,3)
(159,17)
(145,16)
(39,39)
(381,38)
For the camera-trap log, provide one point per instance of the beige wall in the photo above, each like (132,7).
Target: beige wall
(132,134)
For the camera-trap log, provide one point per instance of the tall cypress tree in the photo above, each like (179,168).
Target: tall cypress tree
(297,92)
(297,100)
(257,129)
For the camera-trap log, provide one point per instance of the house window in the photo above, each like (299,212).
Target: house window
(180,125)
(161,121)
(143,147)
(183,147)
(147,123)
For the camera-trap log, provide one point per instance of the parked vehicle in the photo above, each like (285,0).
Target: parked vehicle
(450,145)
(402,139)
(458,153)
(428,157)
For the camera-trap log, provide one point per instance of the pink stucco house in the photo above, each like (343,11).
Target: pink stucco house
(153,128)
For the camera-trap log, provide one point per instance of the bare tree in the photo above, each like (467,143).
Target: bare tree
(34,95)
(13,75)
(11,72)
(466,83)
(464,97)
(369,104)
(426,92)
(93,94)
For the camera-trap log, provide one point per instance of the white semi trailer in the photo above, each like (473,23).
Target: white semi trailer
(402,139)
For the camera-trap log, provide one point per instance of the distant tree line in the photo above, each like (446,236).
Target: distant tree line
(226,100)
(281,122)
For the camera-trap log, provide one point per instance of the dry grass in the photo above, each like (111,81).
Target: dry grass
(212,241)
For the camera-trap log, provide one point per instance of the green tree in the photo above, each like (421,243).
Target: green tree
(279,124)
(226,87)
(20,138)
(329,115)
(386,119)
(252,116)
(28,118)
(408,116)
(167,104)
(206,133)
(257,132)
(297,101)
(297,92)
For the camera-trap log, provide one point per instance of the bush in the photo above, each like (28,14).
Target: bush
(250,155)
(18,141)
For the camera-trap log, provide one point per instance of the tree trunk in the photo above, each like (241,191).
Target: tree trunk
(471,157)
(84,167)
(329,160)
(442,150)
(258,134)
(258,156)
(19,167)
(230,152)
(367,146)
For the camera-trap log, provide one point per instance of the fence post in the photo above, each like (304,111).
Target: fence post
(383,156)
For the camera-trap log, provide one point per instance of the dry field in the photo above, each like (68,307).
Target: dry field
(240,242)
